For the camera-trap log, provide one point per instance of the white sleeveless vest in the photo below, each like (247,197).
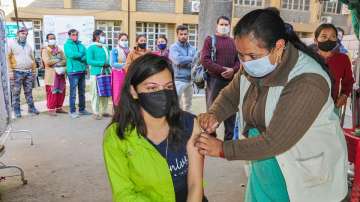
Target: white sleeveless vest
(315,169)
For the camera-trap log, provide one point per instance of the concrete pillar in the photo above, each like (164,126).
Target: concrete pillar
(315,12)
(125,21)
(132,31)
(67,3)
(124,5)
(132,5)
(275,3)
(179,6)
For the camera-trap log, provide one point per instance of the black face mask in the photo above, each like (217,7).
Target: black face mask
(158,103)
(142,45)
(327,45)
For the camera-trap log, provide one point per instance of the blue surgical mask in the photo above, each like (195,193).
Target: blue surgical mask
(259,67)
(124,44)
(162,46)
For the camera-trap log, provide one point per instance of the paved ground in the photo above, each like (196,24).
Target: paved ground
(66,164)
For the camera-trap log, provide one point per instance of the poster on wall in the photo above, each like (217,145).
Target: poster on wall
(11,31)
(60,25)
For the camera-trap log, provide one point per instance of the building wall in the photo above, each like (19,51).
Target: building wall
(172,12)
(295,16)
(46,4)
(240,11)
(171,34)
(97,4)
(156,6)
(339,20)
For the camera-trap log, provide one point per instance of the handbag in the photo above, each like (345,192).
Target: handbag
(199,73)
(103,83)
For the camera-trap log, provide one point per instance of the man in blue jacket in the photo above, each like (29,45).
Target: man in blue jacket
(182,55)
(75,53)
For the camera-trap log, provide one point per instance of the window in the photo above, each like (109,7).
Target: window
(151,31)
(193,34)
(38,37)
(332,7)
(111,29)
(258,3)
(303,5)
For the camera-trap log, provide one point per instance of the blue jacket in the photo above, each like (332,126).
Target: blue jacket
(182,56)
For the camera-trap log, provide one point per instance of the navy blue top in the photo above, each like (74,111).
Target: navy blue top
(178,159)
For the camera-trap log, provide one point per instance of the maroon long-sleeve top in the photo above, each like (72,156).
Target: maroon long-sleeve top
(340,68)
(226,55)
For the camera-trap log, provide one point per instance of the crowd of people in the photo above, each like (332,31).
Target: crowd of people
(288,94)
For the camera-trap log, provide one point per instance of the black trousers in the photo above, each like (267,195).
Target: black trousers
(213,87)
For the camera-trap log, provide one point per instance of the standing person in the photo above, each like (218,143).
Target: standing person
(161,43)
(340,47)
(221,68)
(22,69)
(117,61)
(75,53)
(149,147)
(55,83)
(339,64)
(139,50)
(97,56)
(293,138)
(182,55)
(120,52)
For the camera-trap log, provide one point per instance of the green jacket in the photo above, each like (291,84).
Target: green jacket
(75,56)
(136,170)
(96,57)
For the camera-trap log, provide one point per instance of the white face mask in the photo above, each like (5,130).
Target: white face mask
(124,44)
(259,67)
(52,42)
(102,39)
(224,30)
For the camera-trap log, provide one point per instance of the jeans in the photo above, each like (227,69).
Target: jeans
(184,91)
(77,81)
(213,87)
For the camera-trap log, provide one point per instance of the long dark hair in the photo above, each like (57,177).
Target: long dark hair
(127,113)
(267,27)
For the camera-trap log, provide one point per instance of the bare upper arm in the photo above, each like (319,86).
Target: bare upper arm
(196,160)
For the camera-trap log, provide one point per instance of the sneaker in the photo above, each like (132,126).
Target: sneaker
(84,113)
(34,111)
(17,115)
(97,116)
(74,115)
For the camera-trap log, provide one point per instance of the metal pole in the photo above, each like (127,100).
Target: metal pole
(129,20)
(16,14)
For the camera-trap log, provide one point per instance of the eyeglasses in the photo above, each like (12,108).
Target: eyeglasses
(74,34)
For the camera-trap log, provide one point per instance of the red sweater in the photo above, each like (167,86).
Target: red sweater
(340,69)
(226,55)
